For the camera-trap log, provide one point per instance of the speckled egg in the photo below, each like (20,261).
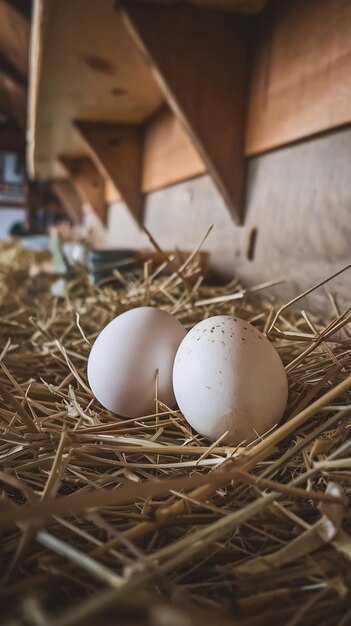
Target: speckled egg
(126,357)
(227,376)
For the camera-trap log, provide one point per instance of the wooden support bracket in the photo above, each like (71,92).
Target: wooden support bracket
(89,183)
(69,198)
(117,149)
(199,57)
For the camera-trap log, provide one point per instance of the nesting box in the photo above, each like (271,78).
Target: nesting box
(179,115)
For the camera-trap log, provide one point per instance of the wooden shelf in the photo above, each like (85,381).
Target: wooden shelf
(169,157)
(300,80)
(86,66)
(118,150)
(200,60)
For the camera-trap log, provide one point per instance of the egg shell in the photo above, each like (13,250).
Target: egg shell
(227,376)
(125,357)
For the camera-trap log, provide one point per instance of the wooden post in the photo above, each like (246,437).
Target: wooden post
(89,183)
(117,149)
(199,57)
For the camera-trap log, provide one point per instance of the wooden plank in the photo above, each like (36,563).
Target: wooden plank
(301,80)
(13,100)
(97,75)
(14,39)
(206,90)
(117,150)
(11,138)
(69,198)
(169,154)
(89,183)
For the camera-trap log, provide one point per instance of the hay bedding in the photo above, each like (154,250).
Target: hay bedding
(141,521)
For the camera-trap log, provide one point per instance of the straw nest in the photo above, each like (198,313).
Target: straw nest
(143,522)
(14,264)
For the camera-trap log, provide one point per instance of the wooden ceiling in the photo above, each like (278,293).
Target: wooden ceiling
(84,65)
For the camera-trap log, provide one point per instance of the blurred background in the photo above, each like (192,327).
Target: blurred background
(174,116)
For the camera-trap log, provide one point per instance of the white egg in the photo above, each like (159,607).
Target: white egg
(126,356)
(228,377)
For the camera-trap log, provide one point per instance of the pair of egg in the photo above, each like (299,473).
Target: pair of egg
(225,375)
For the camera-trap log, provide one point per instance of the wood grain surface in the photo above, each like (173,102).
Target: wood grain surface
(84,66)
(205,90)
(169,154)
(70,200)
(301,79)
(117,150)
(298,211)
(88,181)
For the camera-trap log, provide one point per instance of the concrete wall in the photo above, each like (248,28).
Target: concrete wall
(179,216)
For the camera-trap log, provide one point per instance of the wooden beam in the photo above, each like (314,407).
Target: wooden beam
(97,75)
(199,57)
(89,183)
(14,39)
(13,100)
(117,150)
(69,198)
(169,154)
(300,79)
(11,138)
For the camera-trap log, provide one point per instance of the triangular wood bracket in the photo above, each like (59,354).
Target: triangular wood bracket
(199,57)
(69,198)
(118,150)
(89,183)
